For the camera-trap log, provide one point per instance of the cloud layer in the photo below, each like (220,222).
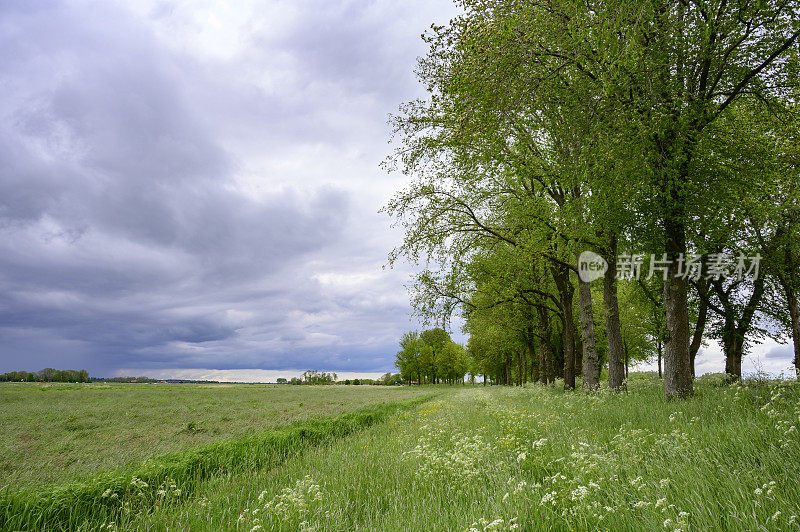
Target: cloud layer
(189,185)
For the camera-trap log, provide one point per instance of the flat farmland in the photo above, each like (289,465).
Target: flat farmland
(54,433)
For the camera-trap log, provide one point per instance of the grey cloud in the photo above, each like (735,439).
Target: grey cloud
(124,239)
(783,352)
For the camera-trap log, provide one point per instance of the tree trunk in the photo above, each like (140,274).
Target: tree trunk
(545,350)
(590,369)
(544,358)
(566,292)
(627,358)
(524,355)
(733,362)
(790,283)
(794,312)
(660,376)
(616,366)
(733,334)
(733,357)
(534,366)
(702,316)
(677,370)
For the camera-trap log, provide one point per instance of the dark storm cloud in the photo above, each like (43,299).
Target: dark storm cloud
(126,236)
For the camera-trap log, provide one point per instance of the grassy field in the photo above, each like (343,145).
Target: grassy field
(499,458)
(62,432)
(532,459)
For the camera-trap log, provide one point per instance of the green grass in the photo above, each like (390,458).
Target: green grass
(158,481)
(532,459)
(54,433)
(500,458)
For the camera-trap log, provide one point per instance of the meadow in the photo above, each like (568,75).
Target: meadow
(475,458)
(58,432)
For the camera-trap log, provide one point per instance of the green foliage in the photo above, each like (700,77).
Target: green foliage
(391,379)
(408,359)
(714,380)
(431,357)
(552,129)
(318,377)
(47,375)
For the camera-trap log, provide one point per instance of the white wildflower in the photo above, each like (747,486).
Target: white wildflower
(579,493)
(549,497)
(139,483)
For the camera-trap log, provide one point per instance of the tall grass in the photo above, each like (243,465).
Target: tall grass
(530,459)
(159,481)
(58,432)
(495,458)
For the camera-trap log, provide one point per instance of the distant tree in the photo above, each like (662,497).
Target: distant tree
(391,379)
(47,375)
(408,358)
(318,377)
(451,363)
(281,380)
(435,339)
(427,364)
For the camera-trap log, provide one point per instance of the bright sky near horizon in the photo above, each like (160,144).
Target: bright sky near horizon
(190,188)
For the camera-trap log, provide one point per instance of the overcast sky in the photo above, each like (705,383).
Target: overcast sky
(188,185)
(191,189)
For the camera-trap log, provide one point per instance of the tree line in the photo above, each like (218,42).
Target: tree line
(431,357)
(661,136)
(313,377)
(47,375)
